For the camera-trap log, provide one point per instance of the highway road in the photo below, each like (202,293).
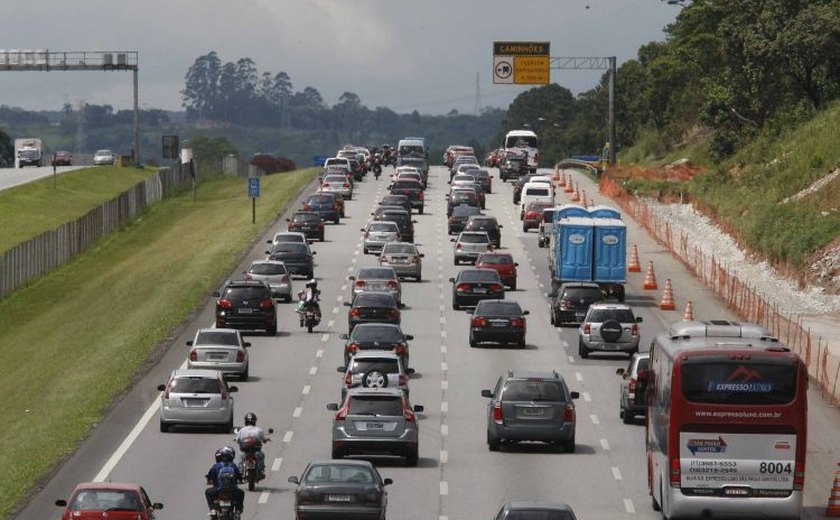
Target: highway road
(293,377)
(10,177)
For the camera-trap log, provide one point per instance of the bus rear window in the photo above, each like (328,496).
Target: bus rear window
(736,382)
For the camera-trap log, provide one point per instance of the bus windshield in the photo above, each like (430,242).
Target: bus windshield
(739,383)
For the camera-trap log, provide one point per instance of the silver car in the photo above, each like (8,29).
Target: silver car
(376,422)
(631,391)
(609,327)
(469,245)
(378,233)
(196,398)
(403,258)
(288,236)
(339,184)
(275,274)
(103,158)
(219,349)
(376,279)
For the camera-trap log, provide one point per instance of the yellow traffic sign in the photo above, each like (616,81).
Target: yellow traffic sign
(521,63)
(531,70)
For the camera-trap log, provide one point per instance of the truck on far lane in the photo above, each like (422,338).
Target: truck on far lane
(29,151)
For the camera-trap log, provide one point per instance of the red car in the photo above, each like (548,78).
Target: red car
(502,263)
(63,158)
(115,501)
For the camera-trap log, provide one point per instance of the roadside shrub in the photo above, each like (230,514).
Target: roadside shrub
(268,163)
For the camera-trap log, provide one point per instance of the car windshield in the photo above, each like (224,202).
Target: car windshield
(400,249)
(527,390)
(375,273)
(602,315)
(374,332)
(473,238)
(367,299)
(195,385)
(582,293)
(267,269)
(291,247)
(322,199)
(215,337)
(376,405)
(479,275)
(538,514)
(495,260)
(339,473)
(383,226)
(488,308)
(106,499)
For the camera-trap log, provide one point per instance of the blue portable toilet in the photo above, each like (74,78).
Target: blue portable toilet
(602,211)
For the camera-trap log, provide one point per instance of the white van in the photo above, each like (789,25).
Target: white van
(411,147)
(535,192)
(524,141)
(544,179)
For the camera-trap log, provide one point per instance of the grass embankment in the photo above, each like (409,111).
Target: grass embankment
(74,340)
(28,210)
(746,192)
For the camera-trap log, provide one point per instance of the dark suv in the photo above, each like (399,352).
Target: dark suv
(488,224)
(410,188)
(531,406)
(309,223)
(571,301)
(246,304)
(631,390)
(404,223)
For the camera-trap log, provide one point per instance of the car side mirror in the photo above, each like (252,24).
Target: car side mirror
(422,255)
(268,252)
(343,336)
(233,389)
(267,242)
(638,319)
(516,264)
(525,313)
(371,213)
(487,393)
(574,395)
(216,294)
(452,280)
(332,407)
(314,253)
(409,337)
(619,371)
(387,482)
(347,304)
(294,480)
(157,505)
(340,368)
(351,277)
(409,371)
(190,343)
(501,226)
(452,240)
(417,408)
(161,388)
(288,220)
(61,502)
(246,344)
(363,229)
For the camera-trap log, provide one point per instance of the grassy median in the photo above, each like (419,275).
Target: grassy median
(75,339)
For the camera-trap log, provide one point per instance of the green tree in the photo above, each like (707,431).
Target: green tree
(200,96)
(204,147)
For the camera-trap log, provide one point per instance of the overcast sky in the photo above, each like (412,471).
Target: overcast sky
(405,55)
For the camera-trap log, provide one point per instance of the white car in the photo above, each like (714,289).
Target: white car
(103,158)
(219,349)
(338,184)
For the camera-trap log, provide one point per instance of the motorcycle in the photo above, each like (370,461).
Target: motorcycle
(377,170)
(308,316)
(223,507)
(248,460)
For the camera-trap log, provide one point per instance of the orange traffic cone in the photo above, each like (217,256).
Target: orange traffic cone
(576,194)
(633,266)
(650,278)
(556,173)
(688,315)
(562,181)
(569,185)
(833,508)
(667,303)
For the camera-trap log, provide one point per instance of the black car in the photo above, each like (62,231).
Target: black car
(484,179)
(518,185)
(498,321)
(297,257)
(372,307)
(403,221)
(340,489)
(488,224)
(460,215)
(309,223)
(571,301)
(522,509)
(513,166)
(246,304)
(411,188)
(325,206)
(358,169)
(473,285)
(396,200)
(376,336)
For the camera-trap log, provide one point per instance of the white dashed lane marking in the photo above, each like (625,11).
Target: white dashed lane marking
(444,456)
(444,430)
(444,385)
(313,371)
(320,352)
(587,397)
(306,390)
(444,406)
(288,436)
(628,506)
(594,419)
(298,411)
(264,497)
(444,487)
(276,465)
(578,376)
(605,445)
(616,473)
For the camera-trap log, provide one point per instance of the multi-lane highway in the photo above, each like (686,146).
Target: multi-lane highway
(293,377)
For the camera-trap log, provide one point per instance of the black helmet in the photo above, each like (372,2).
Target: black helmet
(250,419)
(228,453)
(220,455)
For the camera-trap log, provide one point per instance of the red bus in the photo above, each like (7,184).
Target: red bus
(727,417)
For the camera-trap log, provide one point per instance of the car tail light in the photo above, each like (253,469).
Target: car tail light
(587,328)
(408,414)
(224,391)
(326,185)
(342,414)
(247,277)
(463,287)
(352,348)
(478,322)
(240,357)
(354,313)
(348,380)
(346,185)
(517,323)
(394,313)
(193,355)
(675,471)
(497,413)
(392,284)
(415,259)
(383,258)
(224,304)
(421,195)
(496,287)
(267,303)
(284,278)
(569,413)
(372,495)
(399,348)
(319,225)
(402,380)
(458,246)
(799,476)
(631,388)
(634,330)
(536,158)
(360,283)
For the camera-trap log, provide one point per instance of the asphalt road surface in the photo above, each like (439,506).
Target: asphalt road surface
(10,177)
(293,377)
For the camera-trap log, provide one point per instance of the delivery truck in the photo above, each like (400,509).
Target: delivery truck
(29,151)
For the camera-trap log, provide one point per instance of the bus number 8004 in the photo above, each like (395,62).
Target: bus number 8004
(775,467)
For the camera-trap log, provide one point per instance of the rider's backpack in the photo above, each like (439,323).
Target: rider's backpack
(226,478)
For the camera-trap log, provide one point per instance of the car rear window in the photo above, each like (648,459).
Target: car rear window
(602,315)
(367,299)
(525,390)
(371,332)
(538,514)
(482,224)
(382,226)
(537,192)
(495,260)
(482,275)
(474,238)
(339,473)
(586,293)
(335,178)
(322,199)
(106,500)
(376,405)
(305,218)
(644,364)
(195,385)
(245,293)
(212,337)
(399,218)
(738,382)
(464,211)
(286,237)
(377,273)
(400,249)
(394,199)
(386,366)
(406,183)
(487,308)
(290,247)
(267,269)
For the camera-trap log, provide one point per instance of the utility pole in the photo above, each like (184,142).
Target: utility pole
(477,107)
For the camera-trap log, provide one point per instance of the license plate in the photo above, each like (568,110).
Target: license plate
(194,402)
(499,324)
(480,290)
(533,411)
(580,315)
(374,426)
(217,357)
(224,503)
(246,311)
(339,498)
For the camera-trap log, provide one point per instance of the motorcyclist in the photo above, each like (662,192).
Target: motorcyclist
(217,478)
(251,438)
(309,299)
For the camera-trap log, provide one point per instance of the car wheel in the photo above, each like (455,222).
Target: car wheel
(456,262)
(455,306)
(321,238)
(421,210)
(569,445)
(473,343)
(524,228)
(271,331)
(287,299)
(228,426)
(337,453)
(521,343)
(552,318)
(582,350)
(366,250)
(164,427)
(628,418)
(621,413)
(245,375)
(493,442)
(513,286)
(336,220)
(411,458)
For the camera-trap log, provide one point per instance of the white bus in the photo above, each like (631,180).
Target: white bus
(524,141)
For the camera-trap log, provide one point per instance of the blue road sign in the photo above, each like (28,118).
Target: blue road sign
(253,187)
(319,160)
